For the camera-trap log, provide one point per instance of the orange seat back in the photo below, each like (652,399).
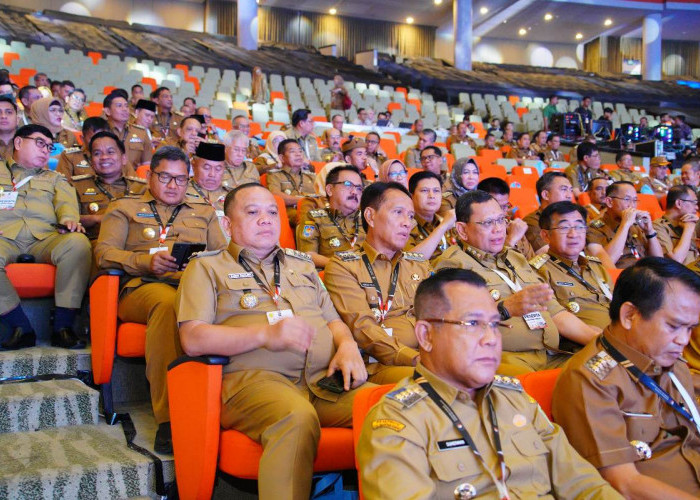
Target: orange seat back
(609,166)
(107,89)
(320,119)
(513,99)
(540,385)
(94,109)
(286,233)
(450,161)
(224,124)
(33,280)
(416,103)
(369,174)
(524,200)
(276,95)
(489,170)
(389,148)
(141,170)
(8,57)
(95,56)
(255,128)
(614,273)
(263,179)
(522,180)
(505,150)
(393,106)
(412,171)
(521,170)
(649,203)
(318,165)
(584,199)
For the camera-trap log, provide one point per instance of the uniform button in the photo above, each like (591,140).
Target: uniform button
(461,467)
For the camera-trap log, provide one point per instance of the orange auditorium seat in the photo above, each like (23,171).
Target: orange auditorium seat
(450,158)
(393,106)
(522,180)
(276,95)
(540,385)
(142,169)
(263,179)
(286,233)
(614,273)
(389,148)
(8,57)
(487,170)
(201,446)
(489,155)
(369,174)
(267,125)
(524,200)
(416,103)
(32,280)
(108,89)
(94,109)
(505,150)
(318,165)
(608,166)
(584,198)
(411,171)
(95,56)
(224,124)
(319,119)
(649,203)
(150,81)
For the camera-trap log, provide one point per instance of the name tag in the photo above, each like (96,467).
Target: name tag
(564,283)
(145,214)
(8,200)
(135,139)
(277,316)
(366,285)
(535,320)
(158,249)
(237,276)
(451,444)
(89,192)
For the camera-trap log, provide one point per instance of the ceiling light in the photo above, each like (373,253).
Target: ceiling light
(437,2)
(579,36)
(333,12)
(548,17)
(522,32)
(608,22)
(484,11)
(409,20)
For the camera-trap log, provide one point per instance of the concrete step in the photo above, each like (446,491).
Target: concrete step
(32,406)
(43,360)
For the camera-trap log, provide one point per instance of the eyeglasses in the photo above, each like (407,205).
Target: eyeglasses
(165,178)
(473,326)
(349,185)
(396,175)
(626,199)
(42,144)
(694,202)
(372,142)
(428,157)
(489,223)
(579,228)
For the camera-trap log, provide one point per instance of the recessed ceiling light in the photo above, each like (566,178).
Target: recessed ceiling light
(484,10)
(333,12)
(522,32)
(579,36)
(548,17)
(409,20)
(437,2)
(608,22)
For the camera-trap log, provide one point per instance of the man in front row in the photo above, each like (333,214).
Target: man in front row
(625,400)
(137,236)
(533,320)
(266,308)
(421,440)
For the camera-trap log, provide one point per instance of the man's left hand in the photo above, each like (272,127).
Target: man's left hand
(73,227)
(347,359)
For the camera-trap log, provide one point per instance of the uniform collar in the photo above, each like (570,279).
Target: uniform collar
(641,361)
(288,169)
(422,222)
(237,251)
(449,392)
(373,254)
(337,214)
(481,256)
(579,262)
(13,165)
(609,220)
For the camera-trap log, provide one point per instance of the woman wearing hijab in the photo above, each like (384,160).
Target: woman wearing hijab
(394,171)
(269,159)
(463,178)
(260,93)
(48,111)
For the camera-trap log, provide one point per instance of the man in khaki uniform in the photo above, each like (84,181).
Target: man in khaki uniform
(332,151)
(534,321)
(338,227)
(551,187)
(427,137)
(432,233)
(136,141)
(373,288)
(188,135)
(624,171)
(108,183)
(8,127)
(167,120)
(489,144)
(460,137)
(144,116)
(137,236)
(76,161)
(588,167)
(552,152)
(596,193)
(614,397)
(523,151)
(291,182)
(678,228)
(205,185)
(301,132)
(580,283)
(355,154)
(658,176)
(242,124)
(374,152)
(33,200)
(626,233)
(238,170)
(267,310)
(409,446)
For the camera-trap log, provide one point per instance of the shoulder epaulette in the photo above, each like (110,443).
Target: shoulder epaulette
(319,212)
(298,254)
(138,126)
(590,258)
(82,177)
(207,253)
(274,170)
(447,194)
(177,113)
(597,224)
(70,151)
(418,257)
(408,396)
(505,382)
(136,179)
(539,260)
(348,255)
(601,364)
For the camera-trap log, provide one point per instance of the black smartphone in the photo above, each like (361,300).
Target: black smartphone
(63,227)
(183,251)
(333,383)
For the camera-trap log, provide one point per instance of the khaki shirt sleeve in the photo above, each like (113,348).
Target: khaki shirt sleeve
(410,158)
(273,182)
(196,295)
(109,251)
(351,303)
(664,237)
(572,175)
(594,235)
(216,240)
(147,152)
(66,202)
(393,463)
(310,242)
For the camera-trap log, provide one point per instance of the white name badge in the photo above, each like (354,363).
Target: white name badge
(8,200)
(220,213)
(158,249)
(535,320)
(277,316)
(389,331)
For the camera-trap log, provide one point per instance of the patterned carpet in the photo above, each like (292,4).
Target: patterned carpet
(42,360)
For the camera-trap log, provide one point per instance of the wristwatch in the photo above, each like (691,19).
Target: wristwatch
(650,236)
(505,315)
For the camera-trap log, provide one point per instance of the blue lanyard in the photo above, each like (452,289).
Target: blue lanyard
(645,379)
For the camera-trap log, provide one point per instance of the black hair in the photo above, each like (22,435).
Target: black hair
(156,93)
(373,133)
(560,208)
(430,132)
(552,136)
(607,110)
(169,153)
(621,154)
(110,135)
(421,176)
(9,101)
(27,130)
(67,83)
(109,98)
(430,299)
(334,174)
(300,115)
(494,185)
(231,196)
(282,146)
(645,285)
(136,86)
(585,149)
(94,124)
(374,194)
(545,182)
(676,193)
(25,90)
(612,188)
(463,208)
(436,149)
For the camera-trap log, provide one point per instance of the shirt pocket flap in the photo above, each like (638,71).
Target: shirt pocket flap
(42,184)
(641,426)
(529,443)
(455,465)
(194,222)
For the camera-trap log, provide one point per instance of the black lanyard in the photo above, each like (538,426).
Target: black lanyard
(274,294)
(163,230)
(424,233)
(352,240)
(201,193)
(576,275)
(104,191)
(447,410)
(291,180)
(384,307)
(645,379)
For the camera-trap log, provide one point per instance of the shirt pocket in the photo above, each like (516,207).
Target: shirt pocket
(195,230)
(233,290)
(135,143)
(457,465)
(302,292)
(40,190)
(641,426)
(144,232)
(533,454)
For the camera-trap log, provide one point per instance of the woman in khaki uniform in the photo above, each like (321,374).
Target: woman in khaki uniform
(48,111)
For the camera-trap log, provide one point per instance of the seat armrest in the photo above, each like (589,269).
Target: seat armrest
(104,302)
